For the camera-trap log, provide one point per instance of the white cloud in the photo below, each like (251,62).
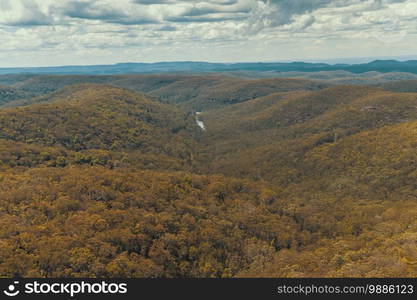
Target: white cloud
(23,13)
(45,32)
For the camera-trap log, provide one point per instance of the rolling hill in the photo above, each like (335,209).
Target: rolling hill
(98,222)
(78,198)
(343,160)
(198,92)
(360,190)
(401,86)
(96,117)
(290,178)
(268,137)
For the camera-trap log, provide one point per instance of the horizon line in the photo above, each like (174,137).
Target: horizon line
(308,61)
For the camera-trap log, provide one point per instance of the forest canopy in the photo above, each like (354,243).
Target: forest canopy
(110,176)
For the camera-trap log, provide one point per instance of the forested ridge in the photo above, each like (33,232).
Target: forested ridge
(9,94)
(191,92)
(100,125)
(110,176)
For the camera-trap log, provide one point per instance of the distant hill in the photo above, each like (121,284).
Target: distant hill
(10,79)
(40,85)
(341,77)
(192,92)
(383,66)
(202,96)
(203,92)
(401,86)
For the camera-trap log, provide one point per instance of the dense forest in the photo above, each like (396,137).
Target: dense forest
(110,176)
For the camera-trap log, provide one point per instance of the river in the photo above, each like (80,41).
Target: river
(199,122)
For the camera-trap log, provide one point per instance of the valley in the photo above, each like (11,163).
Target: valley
(207,175)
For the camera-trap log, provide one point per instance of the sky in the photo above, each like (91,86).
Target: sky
(86,32)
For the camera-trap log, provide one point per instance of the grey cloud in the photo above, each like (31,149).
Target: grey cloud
(173,2)
(191,11)
(277,13)
(300,6)
(213,11)
(393,1)
(167,28)
(206,10)
(273,13)
(31,15)
(151,2)
(283,11)
(93,11)
(86,10)
(205,19)
(381,4)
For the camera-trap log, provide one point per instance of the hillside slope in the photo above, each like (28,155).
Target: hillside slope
(268,137)
(401,86)
(9,94)
(95,222)
(191,92)
(360,193)
(97,117)
(230,91)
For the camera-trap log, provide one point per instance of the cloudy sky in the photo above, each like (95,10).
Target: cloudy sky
(62,32)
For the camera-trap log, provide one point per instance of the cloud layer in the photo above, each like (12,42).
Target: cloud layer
(47,32)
